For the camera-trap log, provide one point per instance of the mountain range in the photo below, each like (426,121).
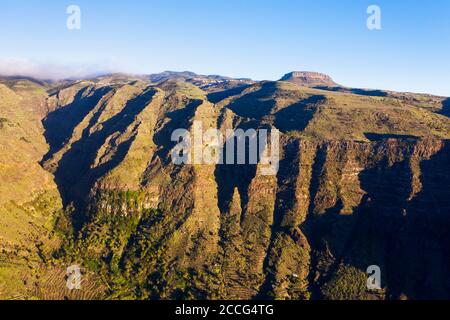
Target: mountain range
(87,179)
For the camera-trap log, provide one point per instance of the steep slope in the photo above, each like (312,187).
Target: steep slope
(29,199)
(362,181)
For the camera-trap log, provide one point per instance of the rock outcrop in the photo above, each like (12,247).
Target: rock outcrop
(309,79)
(362,181)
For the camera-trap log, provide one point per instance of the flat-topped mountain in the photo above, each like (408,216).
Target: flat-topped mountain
(309,79)
(87,179)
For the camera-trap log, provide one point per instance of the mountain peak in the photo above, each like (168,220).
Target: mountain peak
(307,78)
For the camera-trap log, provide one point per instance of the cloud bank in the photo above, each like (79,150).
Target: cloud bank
(51,71)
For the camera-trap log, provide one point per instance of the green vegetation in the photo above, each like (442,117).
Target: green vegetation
(87,179)
(348,283)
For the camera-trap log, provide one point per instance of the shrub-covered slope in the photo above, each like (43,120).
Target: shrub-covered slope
(362,181)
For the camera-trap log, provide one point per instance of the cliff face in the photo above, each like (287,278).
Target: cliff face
(362,181)
(334,209)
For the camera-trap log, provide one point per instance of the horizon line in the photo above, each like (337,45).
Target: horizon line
(99,74)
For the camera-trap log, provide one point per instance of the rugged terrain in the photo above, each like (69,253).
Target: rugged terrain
(87,179)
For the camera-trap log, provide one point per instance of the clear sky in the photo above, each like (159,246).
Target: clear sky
(260,39)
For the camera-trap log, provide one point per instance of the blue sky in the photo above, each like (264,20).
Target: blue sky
(260,39)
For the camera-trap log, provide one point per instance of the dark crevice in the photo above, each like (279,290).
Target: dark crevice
(446,107)
(284,203)
(231,176)
(74,176)
(308,227)
(60,124)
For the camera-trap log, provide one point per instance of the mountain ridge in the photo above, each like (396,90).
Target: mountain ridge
(360,178)
(307,78)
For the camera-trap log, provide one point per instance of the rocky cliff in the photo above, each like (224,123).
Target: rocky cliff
(362,181)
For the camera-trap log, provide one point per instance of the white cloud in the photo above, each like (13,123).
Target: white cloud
(50,71)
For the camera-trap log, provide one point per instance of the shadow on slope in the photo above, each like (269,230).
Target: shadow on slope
(361,92)
(426,262)
(75,176)
(446,107)
(59,124)
(406,238)
(256,105)
(216,97)
(285,201)
(231,176)
(179,119)
(297,116)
